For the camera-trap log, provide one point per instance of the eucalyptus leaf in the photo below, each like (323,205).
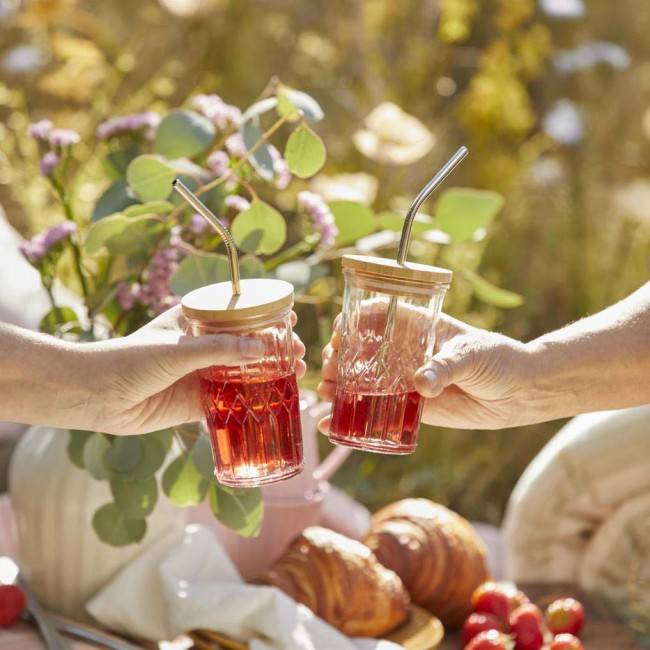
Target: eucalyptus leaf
(116,162)
(259,229)
(114,199)
(305,152)
(125,454)
(491,294)
(153,456)
(76,443)
(150,177)
(460,212)
(353,220)
(151,207)
(300,274)
(116,529)
(261,159)
(252,267)
(52,322)
(165,437)
(198,269)
(241,510)
(136,499)
(182,482)
(306,103)
(259,108)
(203,459)
(94,457)
(184,133)
(286,108)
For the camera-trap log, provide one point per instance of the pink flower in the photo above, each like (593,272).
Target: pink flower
(218,162)
(40,245)
(235,145)
(128,295)
(41,130)
(129,124)
(222,115)
(48,162)
(198,224)
(64,138)
(322,218)
(237,203)
(281,169)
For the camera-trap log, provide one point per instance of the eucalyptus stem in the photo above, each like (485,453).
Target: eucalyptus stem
(55,308)
(303,246)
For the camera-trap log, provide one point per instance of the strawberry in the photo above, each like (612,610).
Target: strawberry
(476,623)
(491,598)
(490,640)
(12,604)
(527,627)
(566,642)
(566,615)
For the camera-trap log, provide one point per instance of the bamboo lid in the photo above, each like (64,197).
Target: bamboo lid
(387,269)
(259,298)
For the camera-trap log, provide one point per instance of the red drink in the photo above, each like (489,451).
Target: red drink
(382,423)
(254,425)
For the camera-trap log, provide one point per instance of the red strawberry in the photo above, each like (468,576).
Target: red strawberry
(517,598)
(566,642)
(527,627)
(491,598)
(12,604)
(490,640)
(565,615)
(476,623)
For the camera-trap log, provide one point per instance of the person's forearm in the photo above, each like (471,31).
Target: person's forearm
(40,379)
(598,363)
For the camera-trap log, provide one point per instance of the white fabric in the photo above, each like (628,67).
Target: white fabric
(581,510)
(186,581)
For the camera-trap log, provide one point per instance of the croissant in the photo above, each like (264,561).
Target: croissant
(340,580)
(436,553)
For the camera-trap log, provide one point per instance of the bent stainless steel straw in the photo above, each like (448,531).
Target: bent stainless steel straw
(224,233)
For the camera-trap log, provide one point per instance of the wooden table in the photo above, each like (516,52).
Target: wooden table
(602,632)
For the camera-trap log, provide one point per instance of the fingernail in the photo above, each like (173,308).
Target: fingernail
(430,377)
(251,348)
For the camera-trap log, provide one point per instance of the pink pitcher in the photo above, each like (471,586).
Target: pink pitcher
(292,505)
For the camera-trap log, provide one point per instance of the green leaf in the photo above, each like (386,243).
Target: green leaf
(94,457)
(153,456)
(300,274)
(76,444)
(197,270)
(52,322)
(203,459)
(461,212)
(286,108)
(152,207)
(394,221)
(165,437)
(116,162)
(354,220)
(183,483)
(115,198)
(305,152)
(150,177)
(125,454)
(261,160)
(259,229)
(251,267)
(493,295)
(306,103)
(184,134)
(259,108)
(136,499)
(115,528)
(241,510)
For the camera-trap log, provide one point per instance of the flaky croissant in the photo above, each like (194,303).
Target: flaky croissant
(436,553)
(340,580)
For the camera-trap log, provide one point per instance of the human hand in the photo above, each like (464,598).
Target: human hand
(147,381)
(475,380)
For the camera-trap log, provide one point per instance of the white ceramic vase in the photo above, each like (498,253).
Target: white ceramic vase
(54,502)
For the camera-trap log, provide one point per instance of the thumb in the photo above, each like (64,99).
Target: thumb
(193,353)
(453,364)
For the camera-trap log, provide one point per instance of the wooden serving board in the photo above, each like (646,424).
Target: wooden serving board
(601,632)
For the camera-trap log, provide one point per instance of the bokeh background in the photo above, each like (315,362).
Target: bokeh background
(552,98)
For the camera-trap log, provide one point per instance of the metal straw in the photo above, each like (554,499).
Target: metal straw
(224,233)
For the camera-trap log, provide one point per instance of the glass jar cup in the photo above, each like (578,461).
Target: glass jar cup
(387,332)
(252,409)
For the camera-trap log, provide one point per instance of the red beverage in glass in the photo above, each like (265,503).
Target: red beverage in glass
(362,420)
(254,426)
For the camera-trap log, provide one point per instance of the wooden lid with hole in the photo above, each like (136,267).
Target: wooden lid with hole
(259,299)
(387,269)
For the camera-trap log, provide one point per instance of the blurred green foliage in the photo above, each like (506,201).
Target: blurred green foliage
(573,237)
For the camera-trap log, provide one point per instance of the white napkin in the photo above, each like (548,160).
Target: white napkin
(186,581)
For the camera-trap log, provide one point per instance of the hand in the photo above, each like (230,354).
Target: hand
(147,381)
(476,379)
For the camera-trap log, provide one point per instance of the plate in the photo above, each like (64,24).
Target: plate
(422,631)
